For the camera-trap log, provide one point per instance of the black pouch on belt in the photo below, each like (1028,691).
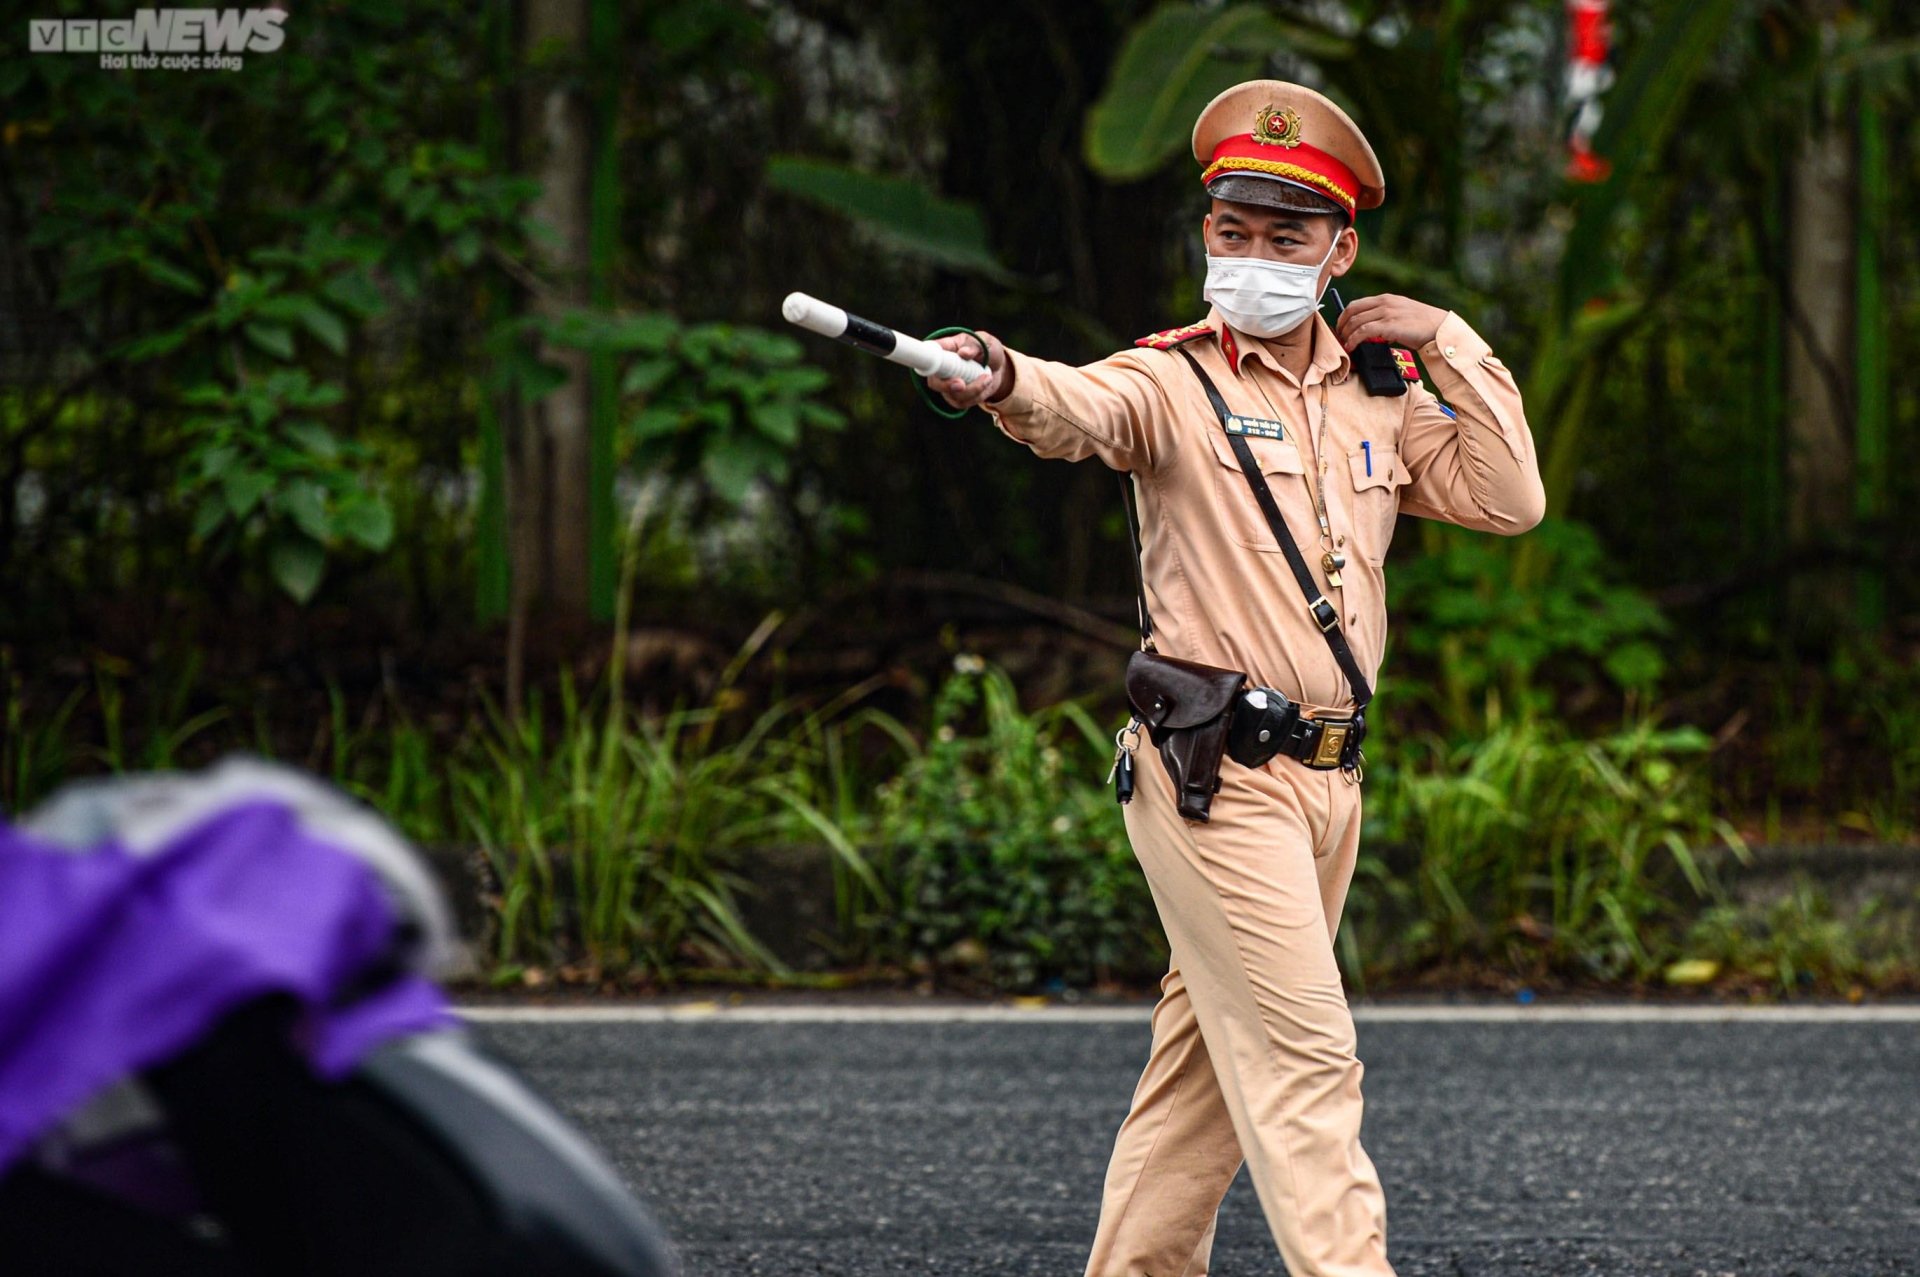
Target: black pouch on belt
(1263,722)
(1188,708)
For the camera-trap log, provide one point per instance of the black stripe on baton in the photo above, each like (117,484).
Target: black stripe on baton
(873,338)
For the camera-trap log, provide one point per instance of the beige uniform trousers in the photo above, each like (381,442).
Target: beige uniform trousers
(1250,902)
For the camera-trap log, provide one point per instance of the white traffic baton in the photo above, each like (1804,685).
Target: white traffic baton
(924,357)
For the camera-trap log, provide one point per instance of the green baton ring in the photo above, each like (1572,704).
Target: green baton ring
(951,414)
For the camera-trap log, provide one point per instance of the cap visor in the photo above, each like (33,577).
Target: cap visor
(1271,192)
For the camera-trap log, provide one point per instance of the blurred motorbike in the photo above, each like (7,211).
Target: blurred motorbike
(223,1050)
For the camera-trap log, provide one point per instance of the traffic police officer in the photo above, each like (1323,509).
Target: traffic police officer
(1253,1043)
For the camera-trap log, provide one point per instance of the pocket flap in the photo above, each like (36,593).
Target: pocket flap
(1169,693)
(1383,469)
(1276,456)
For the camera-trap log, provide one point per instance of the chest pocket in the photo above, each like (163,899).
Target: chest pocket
(1378,475)
(1281,462)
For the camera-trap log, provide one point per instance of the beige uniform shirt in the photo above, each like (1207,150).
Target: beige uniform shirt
(1218,585)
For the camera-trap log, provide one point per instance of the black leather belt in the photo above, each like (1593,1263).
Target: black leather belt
(1320,743)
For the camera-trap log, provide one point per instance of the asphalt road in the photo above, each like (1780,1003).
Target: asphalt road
(1631,1148)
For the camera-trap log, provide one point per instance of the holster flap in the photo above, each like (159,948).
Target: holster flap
(1170,693)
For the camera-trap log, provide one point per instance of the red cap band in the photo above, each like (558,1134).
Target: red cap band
(1309,166)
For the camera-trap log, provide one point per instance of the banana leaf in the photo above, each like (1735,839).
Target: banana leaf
(897,210)
(1173,64)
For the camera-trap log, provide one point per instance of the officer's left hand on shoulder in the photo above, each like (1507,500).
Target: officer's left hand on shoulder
(1400,321)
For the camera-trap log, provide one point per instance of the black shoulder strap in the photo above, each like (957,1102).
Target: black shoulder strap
(1325,615)
(1139,572)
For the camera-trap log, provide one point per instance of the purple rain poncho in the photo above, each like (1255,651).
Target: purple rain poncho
(113,960)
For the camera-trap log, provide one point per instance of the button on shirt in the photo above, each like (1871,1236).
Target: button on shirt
(1218,585)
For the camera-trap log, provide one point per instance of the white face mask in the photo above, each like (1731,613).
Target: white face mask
(1261,297)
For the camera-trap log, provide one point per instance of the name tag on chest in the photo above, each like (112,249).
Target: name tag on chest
(1258,427)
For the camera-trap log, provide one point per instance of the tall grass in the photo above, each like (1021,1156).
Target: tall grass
(1007,855)
(34,751)
(981,843)
(616,838)
(37,752)
(608,834)
(1539,851)
(1799,939)
(1895,812)
(168,727)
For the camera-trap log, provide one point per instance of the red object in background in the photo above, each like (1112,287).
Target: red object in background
(1588,76)
(1587,31)
(1584,166)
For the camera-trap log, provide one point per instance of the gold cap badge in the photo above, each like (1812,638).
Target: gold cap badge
(1277,127)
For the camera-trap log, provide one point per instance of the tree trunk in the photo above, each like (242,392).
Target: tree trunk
(1820,389)
(549,449)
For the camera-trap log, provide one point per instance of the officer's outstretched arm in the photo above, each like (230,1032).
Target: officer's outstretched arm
(1474,463)
(1114,409)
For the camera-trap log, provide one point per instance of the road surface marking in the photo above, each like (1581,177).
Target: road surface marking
(710,1012)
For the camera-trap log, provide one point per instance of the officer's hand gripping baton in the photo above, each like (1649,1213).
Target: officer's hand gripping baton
(924,357)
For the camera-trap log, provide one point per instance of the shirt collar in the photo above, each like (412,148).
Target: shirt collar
(1328,357)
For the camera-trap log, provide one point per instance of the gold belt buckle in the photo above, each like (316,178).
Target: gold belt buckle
(1333,739)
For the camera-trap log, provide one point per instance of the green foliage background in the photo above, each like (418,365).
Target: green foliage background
(249,323)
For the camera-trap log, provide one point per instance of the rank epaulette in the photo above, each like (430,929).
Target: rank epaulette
(1403,359)
(1174,336)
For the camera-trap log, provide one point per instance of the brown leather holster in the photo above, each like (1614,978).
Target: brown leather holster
(1187,708)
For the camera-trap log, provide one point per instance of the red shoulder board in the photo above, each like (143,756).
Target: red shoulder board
(1174,336)
(1403,359)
